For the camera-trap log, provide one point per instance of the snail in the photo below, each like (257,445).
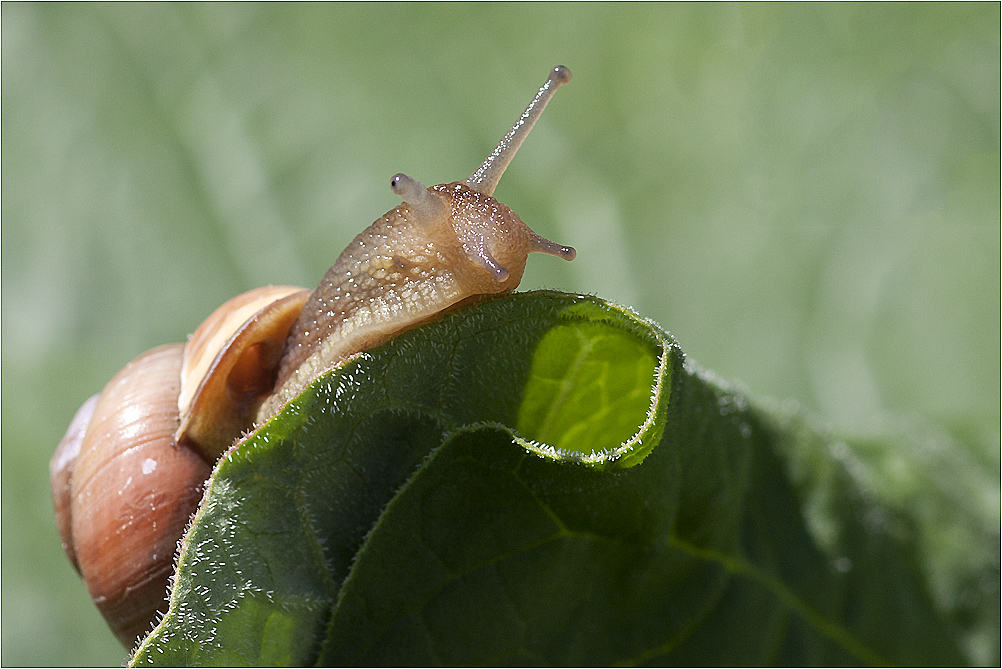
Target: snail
(128,475)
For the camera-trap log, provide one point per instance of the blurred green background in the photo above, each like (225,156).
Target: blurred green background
(806,196)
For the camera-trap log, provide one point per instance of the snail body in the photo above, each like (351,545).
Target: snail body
(129,473)
(444,245)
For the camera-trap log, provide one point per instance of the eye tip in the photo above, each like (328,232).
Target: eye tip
(560,74)
(395,182)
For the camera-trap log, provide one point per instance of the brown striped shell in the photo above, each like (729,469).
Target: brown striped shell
(128,475)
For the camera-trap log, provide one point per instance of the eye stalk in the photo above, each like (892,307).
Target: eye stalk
(427,205)
(486,177)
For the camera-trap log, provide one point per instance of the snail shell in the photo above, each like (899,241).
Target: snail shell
(129,473)
(230,364)
(123,501)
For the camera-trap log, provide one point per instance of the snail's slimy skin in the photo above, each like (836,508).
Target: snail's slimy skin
(442,246)
(402,271)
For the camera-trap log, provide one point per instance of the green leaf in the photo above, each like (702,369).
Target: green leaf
(540,480)
(806,194)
